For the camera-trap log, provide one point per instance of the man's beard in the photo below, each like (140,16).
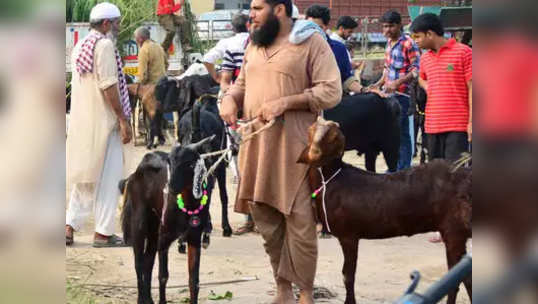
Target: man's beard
(266,34)
(113,35)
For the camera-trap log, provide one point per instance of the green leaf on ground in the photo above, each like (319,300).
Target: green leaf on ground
(227,296)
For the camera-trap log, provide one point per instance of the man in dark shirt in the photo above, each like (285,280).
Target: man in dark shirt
(321,15)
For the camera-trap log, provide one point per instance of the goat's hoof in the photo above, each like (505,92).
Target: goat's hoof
(205,241)
(181,248)
(227,232)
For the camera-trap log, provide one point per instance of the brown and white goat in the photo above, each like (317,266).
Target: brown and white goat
(358,204)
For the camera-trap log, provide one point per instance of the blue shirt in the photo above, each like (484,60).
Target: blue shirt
(303,29)
(342,58)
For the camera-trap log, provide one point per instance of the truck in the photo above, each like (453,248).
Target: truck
(76,31)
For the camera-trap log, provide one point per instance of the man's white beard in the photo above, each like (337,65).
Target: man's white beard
(110,35)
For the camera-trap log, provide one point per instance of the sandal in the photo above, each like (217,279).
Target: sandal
(69,237)
(69,240)
(248,227)
(111,241)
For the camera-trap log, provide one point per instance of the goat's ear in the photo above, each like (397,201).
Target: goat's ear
(303,158)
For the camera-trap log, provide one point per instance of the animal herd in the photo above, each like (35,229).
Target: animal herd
(168,196)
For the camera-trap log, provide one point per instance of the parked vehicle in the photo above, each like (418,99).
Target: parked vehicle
(78,30)
(216,25)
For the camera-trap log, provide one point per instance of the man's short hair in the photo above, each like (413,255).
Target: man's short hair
(239,23)
(392,17)
(142,32)
(427,22)
(319,12)
(287,3)
(347,23)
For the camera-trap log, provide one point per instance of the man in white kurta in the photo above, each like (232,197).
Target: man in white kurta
(98,126)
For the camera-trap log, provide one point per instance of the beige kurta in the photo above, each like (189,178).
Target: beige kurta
(268,164)
(152,62)
(91,120)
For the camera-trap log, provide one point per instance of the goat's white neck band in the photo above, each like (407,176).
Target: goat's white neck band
(324,188)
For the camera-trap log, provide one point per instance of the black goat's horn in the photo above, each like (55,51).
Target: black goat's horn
(198,145)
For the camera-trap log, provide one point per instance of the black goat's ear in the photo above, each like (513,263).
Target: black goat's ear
(303,158)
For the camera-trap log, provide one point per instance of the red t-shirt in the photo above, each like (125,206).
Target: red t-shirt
(447,73)
(507,77)
(167,7)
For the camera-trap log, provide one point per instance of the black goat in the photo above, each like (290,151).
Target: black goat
(417,108)
(202,121)
(160,206)
(179,95)
(371,124)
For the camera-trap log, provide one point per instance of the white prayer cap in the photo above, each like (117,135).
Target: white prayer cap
(104,10)
(295,12)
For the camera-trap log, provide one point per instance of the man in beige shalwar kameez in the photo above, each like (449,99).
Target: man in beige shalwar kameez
(291,83)
(98,126)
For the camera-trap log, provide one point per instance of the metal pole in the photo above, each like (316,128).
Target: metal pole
(364,38)
(450,281)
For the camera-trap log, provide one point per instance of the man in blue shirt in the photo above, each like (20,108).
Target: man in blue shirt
(321,15)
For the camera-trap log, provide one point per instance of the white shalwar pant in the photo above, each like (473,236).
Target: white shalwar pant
(103,197)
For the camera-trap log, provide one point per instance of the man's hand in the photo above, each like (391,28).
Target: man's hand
(392,87)
(376,91)
(228,110)
(356,64)
(272,109)
(375,86)
(470,131)
(125,131)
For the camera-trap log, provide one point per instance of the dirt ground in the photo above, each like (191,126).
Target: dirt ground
(108,275)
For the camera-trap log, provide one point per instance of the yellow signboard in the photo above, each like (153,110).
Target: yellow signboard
(131,70)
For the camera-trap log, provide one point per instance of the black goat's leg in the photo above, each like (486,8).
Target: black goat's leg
(181,248)
(194,272)
(455,251)
(158,132)
(138,250)
(370,158)
(221,179)
(165,239)
(391,158)
(208,228)
(150,127)
(149,261)
(424,144)
(350,247)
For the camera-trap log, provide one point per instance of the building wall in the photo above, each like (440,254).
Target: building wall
(202,6)
(363,8)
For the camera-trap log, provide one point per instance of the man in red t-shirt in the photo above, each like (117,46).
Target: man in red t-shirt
(169,17)
(446,75)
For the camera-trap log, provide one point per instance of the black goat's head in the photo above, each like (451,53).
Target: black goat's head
(183,161)
(192,87)
(181,94)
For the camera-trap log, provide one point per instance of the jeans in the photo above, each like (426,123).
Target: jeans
(406,150)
